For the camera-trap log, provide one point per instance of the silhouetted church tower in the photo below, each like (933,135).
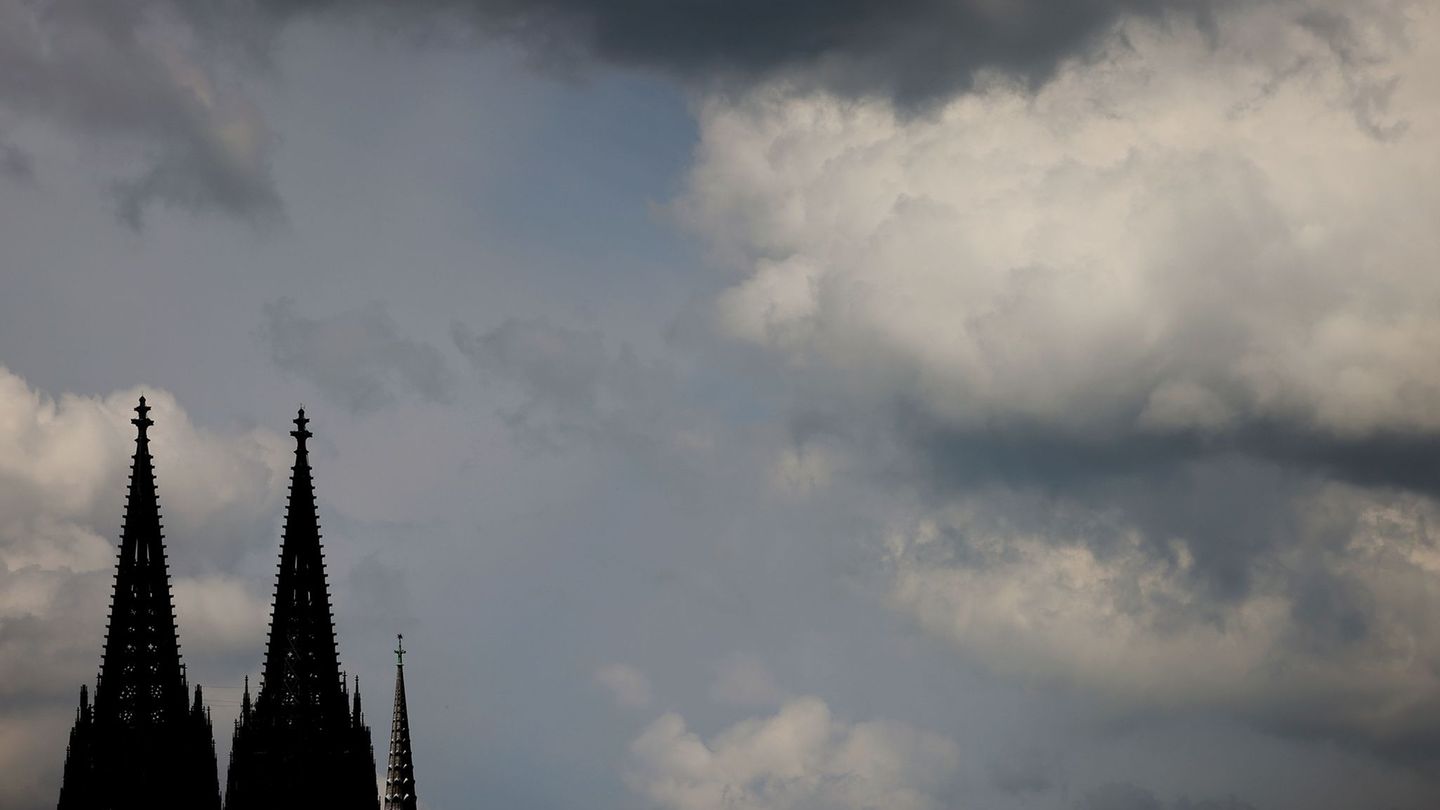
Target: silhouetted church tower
(141,744)
(301,746)
(400,768)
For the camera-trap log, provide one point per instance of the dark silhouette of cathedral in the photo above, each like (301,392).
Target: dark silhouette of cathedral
(301,744)
(141,744)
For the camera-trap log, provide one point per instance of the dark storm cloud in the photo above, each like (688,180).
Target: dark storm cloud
(356,358)
(1228,492)
(912,51)
(1342,563)
(1038,454)
(166,78)
(1237,498)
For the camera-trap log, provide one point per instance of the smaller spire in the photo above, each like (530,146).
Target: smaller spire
(300,433)
(400,767)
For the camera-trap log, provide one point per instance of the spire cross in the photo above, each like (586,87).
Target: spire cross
(400,649)
(300,433)
(144,421)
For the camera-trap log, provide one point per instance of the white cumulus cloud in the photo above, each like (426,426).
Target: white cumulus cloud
(801,758)
(1187,231)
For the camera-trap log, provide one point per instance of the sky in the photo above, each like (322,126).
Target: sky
(751,404)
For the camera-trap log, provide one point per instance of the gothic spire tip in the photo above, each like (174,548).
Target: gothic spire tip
(143,421)
(300,433)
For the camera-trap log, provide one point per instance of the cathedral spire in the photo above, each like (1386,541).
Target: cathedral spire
(400,768)
(140,737)
(302,682)
(299,746)
(142,681)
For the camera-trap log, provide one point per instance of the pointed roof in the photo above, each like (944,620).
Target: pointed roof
(141,740)
(302,684)
(400,768)
(298,747)
(142,682)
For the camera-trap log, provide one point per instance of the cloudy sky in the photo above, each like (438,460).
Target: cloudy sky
(752,404)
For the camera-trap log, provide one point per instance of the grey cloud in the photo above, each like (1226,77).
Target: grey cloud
(1119,796)
(1026,772)
(198,175)
(562,368)
(356,358)
(137,72)
(1125,796)
(1371,99)
(572,385)
(378,592)
(16,164)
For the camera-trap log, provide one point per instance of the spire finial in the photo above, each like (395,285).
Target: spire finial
(143,421)
(400,649)
(300,433)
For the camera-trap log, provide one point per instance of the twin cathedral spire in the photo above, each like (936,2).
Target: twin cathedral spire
(141,740)
(302,743)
